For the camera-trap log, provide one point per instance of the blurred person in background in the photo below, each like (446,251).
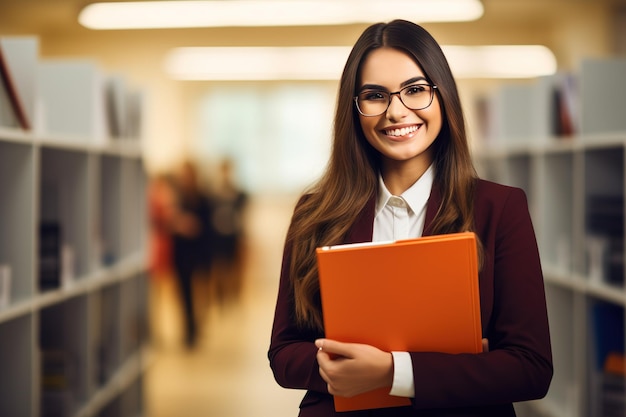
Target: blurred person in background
(160,255)
(229,202)
(192,242)
(160,210)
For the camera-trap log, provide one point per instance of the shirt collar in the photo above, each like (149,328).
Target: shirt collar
(416,196)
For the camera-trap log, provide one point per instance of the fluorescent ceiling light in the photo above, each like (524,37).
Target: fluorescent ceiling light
(500,61)
(327,62)
(257,63)
(216,13)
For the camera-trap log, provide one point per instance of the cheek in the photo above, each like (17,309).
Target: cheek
(365,122)
(368,126)
(434,118)
(438,113)
(437,124)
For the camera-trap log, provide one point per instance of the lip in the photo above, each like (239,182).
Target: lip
(412,130)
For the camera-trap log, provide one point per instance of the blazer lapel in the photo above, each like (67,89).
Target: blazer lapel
(363,228)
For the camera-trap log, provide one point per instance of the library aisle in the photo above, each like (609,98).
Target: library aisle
(227,374)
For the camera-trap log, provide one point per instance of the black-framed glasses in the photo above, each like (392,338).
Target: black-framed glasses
(376,102)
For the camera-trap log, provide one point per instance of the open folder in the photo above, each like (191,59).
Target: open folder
(418,295)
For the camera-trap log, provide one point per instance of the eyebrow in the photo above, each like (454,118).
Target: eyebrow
(402,85)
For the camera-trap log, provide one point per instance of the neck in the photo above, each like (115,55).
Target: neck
(399,176)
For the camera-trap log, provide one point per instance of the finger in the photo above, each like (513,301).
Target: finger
(335,347)
(485,345)
(324,375)
(326,378)
(322,358)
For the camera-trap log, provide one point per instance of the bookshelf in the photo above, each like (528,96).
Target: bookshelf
(576,186)
(75,343)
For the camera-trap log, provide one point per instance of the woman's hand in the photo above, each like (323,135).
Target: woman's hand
(350,369)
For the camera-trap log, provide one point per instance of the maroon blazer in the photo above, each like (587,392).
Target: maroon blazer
(518,366)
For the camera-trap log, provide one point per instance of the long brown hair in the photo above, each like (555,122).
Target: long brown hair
(332,205)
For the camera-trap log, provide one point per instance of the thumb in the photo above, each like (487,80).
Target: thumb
(334,347)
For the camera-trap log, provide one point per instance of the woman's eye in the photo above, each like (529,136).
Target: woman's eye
(373,95)
(415,89)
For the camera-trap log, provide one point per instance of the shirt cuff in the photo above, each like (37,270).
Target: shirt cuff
(403,384)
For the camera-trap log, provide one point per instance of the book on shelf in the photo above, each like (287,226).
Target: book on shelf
(566,107)
(49,255)
(123,108)
(57,381)
(613,396)
(134,119)
(410,295)
(539,110)
(68,262)
(116,106)
(613,399)
(7,111)
(72,98)
(56,370)
(56,403)
(608,394)
(18,66)
(5,285)
(605,238)
(602,95)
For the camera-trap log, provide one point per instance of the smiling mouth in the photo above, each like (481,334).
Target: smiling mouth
(402,131)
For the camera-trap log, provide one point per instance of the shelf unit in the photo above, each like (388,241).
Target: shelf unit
(73,311)
(79,349)
(576,187)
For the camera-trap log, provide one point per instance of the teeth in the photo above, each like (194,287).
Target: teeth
(401,132)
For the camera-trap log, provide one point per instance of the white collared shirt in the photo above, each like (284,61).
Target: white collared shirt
(402,217)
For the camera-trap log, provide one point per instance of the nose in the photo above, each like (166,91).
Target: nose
(396,108)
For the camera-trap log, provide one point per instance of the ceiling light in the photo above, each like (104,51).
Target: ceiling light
(257,63)
(327,62)
(197,13)
(500,61)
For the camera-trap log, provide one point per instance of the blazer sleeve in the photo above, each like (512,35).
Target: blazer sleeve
(292,352)
(518,366)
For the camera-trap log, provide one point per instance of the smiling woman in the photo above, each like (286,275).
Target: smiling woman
(398,138)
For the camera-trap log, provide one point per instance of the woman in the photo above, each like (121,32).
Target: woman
(399,131)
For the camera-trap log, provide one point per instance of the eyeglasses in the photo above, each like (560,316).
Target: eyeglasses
(376,102)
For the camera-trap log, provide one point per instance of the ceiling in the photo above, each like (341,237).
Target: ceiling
(60,16)
(504,21)
(572,29)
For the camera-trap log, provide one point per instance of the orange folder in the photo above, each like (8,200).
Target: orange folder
(418,295)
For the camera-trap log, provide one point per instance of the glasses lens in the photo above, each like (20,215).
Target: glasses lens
(416,97)
(373,103)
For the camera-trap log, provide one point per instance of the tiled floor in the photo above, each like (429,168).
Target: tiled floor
(228,374)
